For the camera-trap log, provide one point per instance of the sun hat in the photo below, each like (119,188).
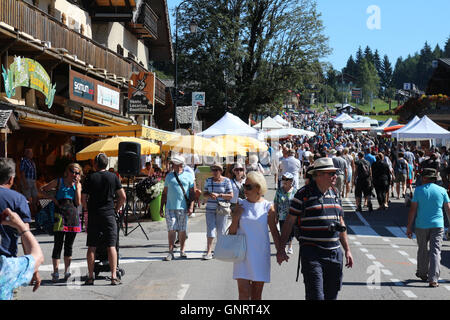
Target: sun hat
(288,175)
(429,173)
(323,164)
(217,165)
(177,159)
(238,165)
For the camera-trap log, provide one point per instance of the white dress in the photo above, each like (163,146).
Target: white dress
(253,224)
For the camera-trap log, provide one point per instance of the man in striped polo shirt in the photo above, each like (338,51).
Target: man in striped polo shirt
(321,232)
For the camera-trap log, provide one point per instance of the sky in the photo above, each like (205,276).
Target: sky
(395,27)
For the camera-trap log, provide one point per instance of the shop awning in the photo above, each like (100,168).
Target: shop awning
(138,131)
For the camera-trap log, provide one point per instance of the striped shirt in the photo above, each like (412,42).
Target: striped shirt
(316,211)
(211,186)
(28,168)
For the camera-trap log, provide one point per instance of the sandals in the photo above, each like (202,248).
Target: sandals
(89,282)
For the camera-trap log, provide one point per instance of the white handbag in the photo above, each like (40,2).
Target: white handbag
(230,248)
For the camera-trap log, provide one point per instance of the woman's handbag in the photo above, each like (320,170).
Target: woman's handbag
(223,208)
(230,248)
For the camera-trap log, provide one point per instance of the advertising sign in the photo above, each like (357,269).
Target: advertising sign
(141,93)
(25,72)
(89,91)
(198,99)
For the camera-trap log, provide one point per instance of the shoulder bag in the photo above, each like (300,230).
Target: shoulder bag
(230,248)
(188,202)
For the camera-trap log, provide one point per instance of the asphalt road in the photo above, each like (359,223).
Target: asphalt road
(384,265)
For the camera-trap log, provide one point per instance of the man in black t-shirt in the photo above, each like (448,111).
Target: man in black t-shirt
(98,193)
(363,182)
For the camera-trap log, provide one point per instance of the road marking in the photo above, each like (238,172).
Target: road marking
(395,246)
(386,272)
(403,253)
(413,261)
(370,256)
(364,231)
(182,292)
(409,294)
(399,232)
(357,243)
(386,239)
(447,287)
(364,250)
(378,264)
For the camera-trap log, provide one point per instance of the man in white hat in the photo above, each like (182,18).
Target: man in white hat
(178,195)
(321,232)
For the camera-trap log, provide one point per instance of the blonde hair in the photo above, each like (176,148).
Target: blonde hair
(258,179)
(72,166)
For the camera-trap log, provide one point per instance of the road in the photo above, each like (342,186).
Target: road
(384,267)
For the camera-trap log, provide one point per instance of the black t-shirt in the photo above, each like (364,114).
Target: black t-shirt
(101,187)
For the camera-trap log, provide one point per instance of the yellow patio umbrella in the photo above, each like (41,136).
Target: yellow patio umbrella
(193,144)
(110,147)
(230,146)
(249,143)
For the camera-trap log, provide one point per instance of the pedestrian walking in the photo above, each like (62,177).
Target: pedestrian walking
(381,180)
(98,193)
(178,199)
(217,188)
(291,165)
(281,203)
(401,171)
(341,174)
(252,217)
(237,183)
(29,176)
(321,233)
(67,220)
(426,211)
(363,182)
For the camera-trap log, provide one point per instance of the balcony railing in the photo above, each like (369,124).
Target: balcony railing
(146,25)
(26,18)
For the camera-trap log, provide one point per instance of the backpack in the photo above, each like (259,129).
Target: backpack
(363,169)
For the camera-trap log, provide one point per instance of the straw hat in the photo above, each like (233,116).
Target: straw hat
(323,164)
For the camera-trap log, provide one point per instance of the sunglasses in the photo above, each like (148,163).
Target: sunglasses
(75,172)
(331,174)
(215,169)
(238,169)
(284,179)
(248,187)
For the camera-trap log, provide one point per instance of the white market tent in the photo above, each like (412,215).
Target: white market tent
(357,125)
(383,125)
(284,133)
(281,121)
(423,129)
(344,118)
(268,124)
(395,133)
(230,124)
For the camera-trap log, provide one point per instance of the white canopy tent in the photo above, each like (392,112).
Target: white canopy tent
(281,121)
(406,127)
(283,133)
(344,118)
(424,129)
(383,125)
(357,125)
(230,124)
(268,124)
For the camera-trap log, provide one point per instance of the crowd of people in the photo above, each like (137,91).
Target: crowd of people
(312,175)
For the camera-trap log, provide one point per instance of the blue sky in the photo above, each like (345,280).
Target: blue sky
(400,28)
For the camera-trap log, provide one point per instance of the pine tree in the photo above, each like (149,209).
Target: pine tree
(368,54)
(446,53)
(424,67)
(386,76)
(437,52)
(351,67)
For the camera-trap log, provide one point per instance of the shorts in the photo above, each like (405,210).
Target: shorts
(102,230)
(400,178)
(176,220)
(362,188)
(215,223)
(31,191)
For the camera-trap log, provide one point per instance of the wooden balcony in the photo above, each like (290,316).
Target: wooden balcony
(27,19)
(146,25)
(110,10)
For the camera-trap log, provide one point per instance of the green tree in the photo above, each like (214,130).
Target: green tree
(424,67)
(248,53)
(386,77)
(446,51)
(368,80)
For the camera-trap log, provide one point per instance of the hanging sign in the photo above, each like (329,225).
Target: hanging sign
(141,93)
(25,72)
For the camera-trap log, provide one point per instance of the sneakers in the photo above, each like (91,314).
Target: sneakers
(207,256)
(433,284)
(183,255)
(169,257)
(67,276)
(55,277)
(290,251)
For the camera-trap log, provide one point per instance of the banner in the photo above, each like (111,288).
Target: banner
(25,72)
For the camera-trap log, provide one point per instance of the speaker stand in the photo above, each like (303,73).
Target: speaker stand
(130,194)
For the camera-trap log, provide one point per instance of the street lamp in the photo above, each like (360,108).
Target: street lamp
(193,29)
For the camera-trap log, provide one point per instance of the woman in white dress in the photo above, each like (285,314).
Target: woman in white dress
(251,218)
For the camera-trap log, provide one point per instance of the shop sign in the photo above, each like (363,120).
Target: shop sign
(141,93)
(25,72)
(198,99)
(86,90)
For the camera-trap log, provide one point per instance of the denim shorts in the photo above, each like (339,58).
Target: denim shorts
(176,220)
